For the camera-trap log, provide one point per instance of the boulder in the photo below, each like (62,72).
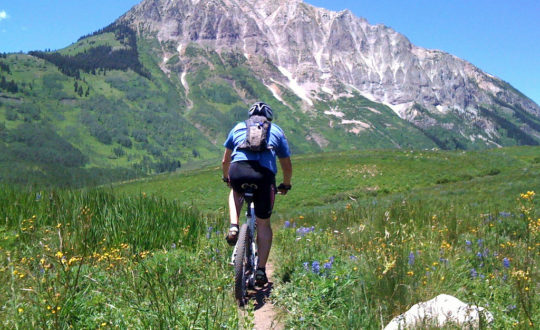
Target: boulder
(441,311)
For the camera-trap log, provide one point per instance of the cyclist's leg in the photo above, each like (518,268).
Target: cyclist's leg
(264,204)
(235,205)
(264,240)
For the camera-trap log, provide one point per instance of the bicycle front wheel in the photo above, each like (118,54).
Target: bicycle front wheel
(241,266)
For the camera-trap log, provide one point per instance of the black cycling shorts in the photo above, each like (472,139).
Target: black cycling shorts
(253,173)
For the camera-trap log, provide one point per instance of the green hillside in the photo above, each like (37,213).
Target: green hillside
(322,180)
(360,238)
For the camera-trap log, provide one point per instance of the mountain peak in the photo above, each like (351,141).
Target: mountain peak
(321,54)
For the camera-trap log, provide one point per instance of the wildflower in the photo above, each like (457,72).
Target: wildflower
(505,214)
(467,242)
(474,273)
(352,257)
(529,195)
(410,273)
(302,231)
(479,254)
(306,265)
(59,254)
(506,263)
(315,267)
(388,266)
(411,258)
(327,265)
(287,224)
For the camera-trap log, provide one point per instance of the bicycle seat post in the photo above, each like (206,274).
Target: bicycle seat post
(248,196)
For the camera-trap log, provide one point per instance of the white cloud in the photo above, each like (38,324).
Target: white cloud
(3,15)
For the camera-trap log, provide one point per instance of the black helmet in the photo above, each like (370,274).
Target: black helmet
(261,109)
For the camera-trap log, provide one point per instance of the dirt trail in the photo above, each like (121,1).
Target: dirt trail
(265,313)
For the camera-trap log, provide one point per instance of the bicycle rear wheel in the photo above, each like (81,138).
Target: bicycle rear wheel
(241,265)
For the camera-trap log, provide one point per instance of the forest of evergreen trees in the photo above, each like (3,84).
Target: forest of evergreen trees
(512,130)
(100,57)
(5,85)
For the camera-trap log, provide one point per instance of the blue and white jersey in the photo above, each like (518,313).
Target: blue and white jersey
(276,141)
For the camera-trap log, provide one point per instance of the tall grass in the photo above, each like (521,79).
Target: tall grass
(359,266)
(91,259)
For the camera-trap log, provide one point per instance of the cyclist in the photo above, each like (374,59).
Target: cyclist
(256,167)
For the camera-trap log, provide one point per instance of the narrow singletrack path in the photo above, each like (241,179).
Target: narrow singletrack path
(265,313)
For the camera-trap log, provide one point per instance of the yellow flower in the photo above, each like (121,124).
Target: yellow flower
(20,310)
(410,273)
(59,254)
(59,225)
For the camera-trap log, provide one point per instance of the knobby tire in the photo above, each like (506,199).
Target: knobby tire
(241,264)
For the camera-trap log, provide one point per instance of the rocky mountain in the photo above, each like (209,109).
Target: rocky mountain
(321,55)
(162,85)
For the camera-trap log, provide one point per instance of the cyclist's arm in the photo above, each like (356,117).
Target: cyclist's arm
(286,167)
(226,162)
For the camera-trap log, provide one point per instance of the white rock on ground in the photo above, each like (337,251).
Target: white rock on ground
(440,311)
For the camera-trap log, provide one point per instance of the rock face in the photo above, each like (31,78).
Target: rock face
(322,54)
(443,310)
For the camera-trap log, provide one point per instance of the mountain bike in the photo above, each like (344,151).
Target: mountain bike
(244,257)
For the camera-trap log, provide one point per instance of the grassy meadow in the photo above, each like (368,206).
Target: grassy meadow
(361,237)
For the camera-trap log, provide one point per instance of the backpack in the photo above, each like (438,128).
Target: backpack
(258,128)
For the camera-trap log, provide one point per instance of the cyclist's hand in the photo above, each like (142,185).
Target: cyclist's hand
(226,180)
(284,188)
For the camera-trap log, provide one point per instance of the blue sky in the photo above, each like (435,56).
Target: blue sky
(501,37)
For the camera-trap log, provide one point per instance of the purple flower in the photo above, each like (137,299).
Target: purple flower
(353,257)
(328,265)
(302,231)
(411,258)
(287,224)
(480,242)
(306,265)
(505,214)
(467,242)
(506,263)
(474,273)
(315,267)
